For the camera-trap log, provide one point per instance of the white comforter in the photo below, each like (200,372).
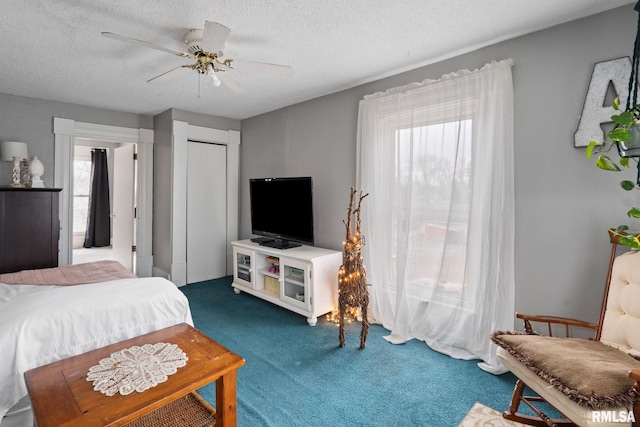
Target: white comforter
(42,324)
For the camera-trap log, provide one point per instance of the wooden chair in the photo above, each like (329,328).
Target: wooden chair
(557,369)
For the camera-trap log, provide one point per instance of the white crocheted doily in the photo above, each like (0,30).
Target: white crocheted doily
(136,368)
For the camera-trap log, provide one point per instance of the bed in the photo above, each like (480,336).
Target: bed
(51,314)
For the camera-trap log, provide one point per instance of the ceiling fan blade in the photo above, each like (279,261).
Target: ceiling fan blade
(283,70)
(213,36)
(233,84)
(145,44)
(169,75)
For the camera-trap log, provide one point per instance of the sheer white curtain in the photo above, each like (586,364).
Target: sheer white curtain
(437,161)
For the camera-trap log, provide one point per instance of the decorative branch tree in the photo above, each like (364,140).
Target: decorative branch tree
(352,279)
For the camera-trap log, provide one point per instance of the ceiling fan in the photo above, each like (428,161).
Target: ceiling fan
(205,47)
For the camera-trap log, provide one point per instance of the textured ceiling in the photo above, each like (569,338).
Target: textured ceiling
(52,49)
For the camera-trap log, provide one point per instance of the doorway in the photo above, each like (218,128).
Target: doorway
(121,174)
(66,134)
(81,189)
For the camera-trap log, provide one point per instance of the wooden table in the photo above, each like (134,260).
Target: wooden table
(61,395)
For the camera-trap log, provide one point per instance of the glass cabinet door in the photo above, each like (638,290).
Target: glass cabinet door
(243,267)
(295,283)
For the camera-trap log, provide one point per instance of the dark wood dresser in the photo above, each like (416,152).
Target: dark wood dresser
(29,228)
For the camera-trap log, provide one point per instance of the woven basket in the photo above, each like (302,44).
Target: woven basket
(272,285)
(190,410)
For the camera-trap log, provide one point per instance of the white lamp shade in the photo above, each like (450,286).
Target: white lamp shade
(11,149)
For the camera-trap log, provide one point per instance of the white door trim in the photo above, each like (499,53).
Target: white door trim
(182,132)
(65,132)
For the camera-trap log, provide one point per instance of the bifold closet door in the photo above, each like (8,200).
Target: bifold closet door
(206,211)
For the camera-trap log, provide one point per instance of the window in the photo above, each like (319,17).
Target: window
(81,186)
(436,158)
(433,166)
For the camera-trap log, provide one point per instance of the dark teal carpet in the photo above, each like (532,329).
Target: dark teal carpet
(297,375)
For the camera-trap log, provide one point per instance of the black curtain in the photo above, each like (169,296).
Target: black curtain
(98,217)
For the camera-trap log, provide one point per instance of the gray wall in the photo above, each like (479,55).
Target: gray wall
(564,205)
(161,245)
(205,120)
(30,120)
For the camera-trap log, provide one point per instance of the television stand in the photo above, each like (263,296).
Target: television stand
(280,244)
(303,279)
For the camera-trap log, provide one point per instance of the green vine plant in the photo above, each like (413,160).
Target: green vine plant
(622,133)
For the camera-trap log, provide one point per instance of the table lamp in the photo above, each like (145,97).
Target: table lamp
(11,151)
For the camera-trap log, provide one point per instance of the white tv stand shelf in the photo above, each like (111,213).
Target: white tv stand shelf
(302,279)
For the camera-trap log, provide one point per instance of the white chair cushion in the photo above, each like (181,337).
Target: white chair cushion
(621,325)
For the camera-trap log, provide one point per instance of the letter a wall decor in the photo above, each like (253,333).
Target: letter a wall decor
(595,112)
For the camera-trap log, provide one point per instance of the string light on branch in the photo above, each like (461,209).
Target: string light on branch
(353,293)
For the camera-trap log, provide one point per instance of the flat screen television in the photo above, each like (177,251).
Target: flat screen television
(282,211)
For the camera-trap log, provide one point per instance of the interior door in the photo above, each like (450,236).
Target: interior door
(206,211)
(123,205)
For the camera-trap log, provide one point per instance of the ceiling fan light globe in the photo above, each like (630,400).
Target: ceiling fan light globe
(214,79)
